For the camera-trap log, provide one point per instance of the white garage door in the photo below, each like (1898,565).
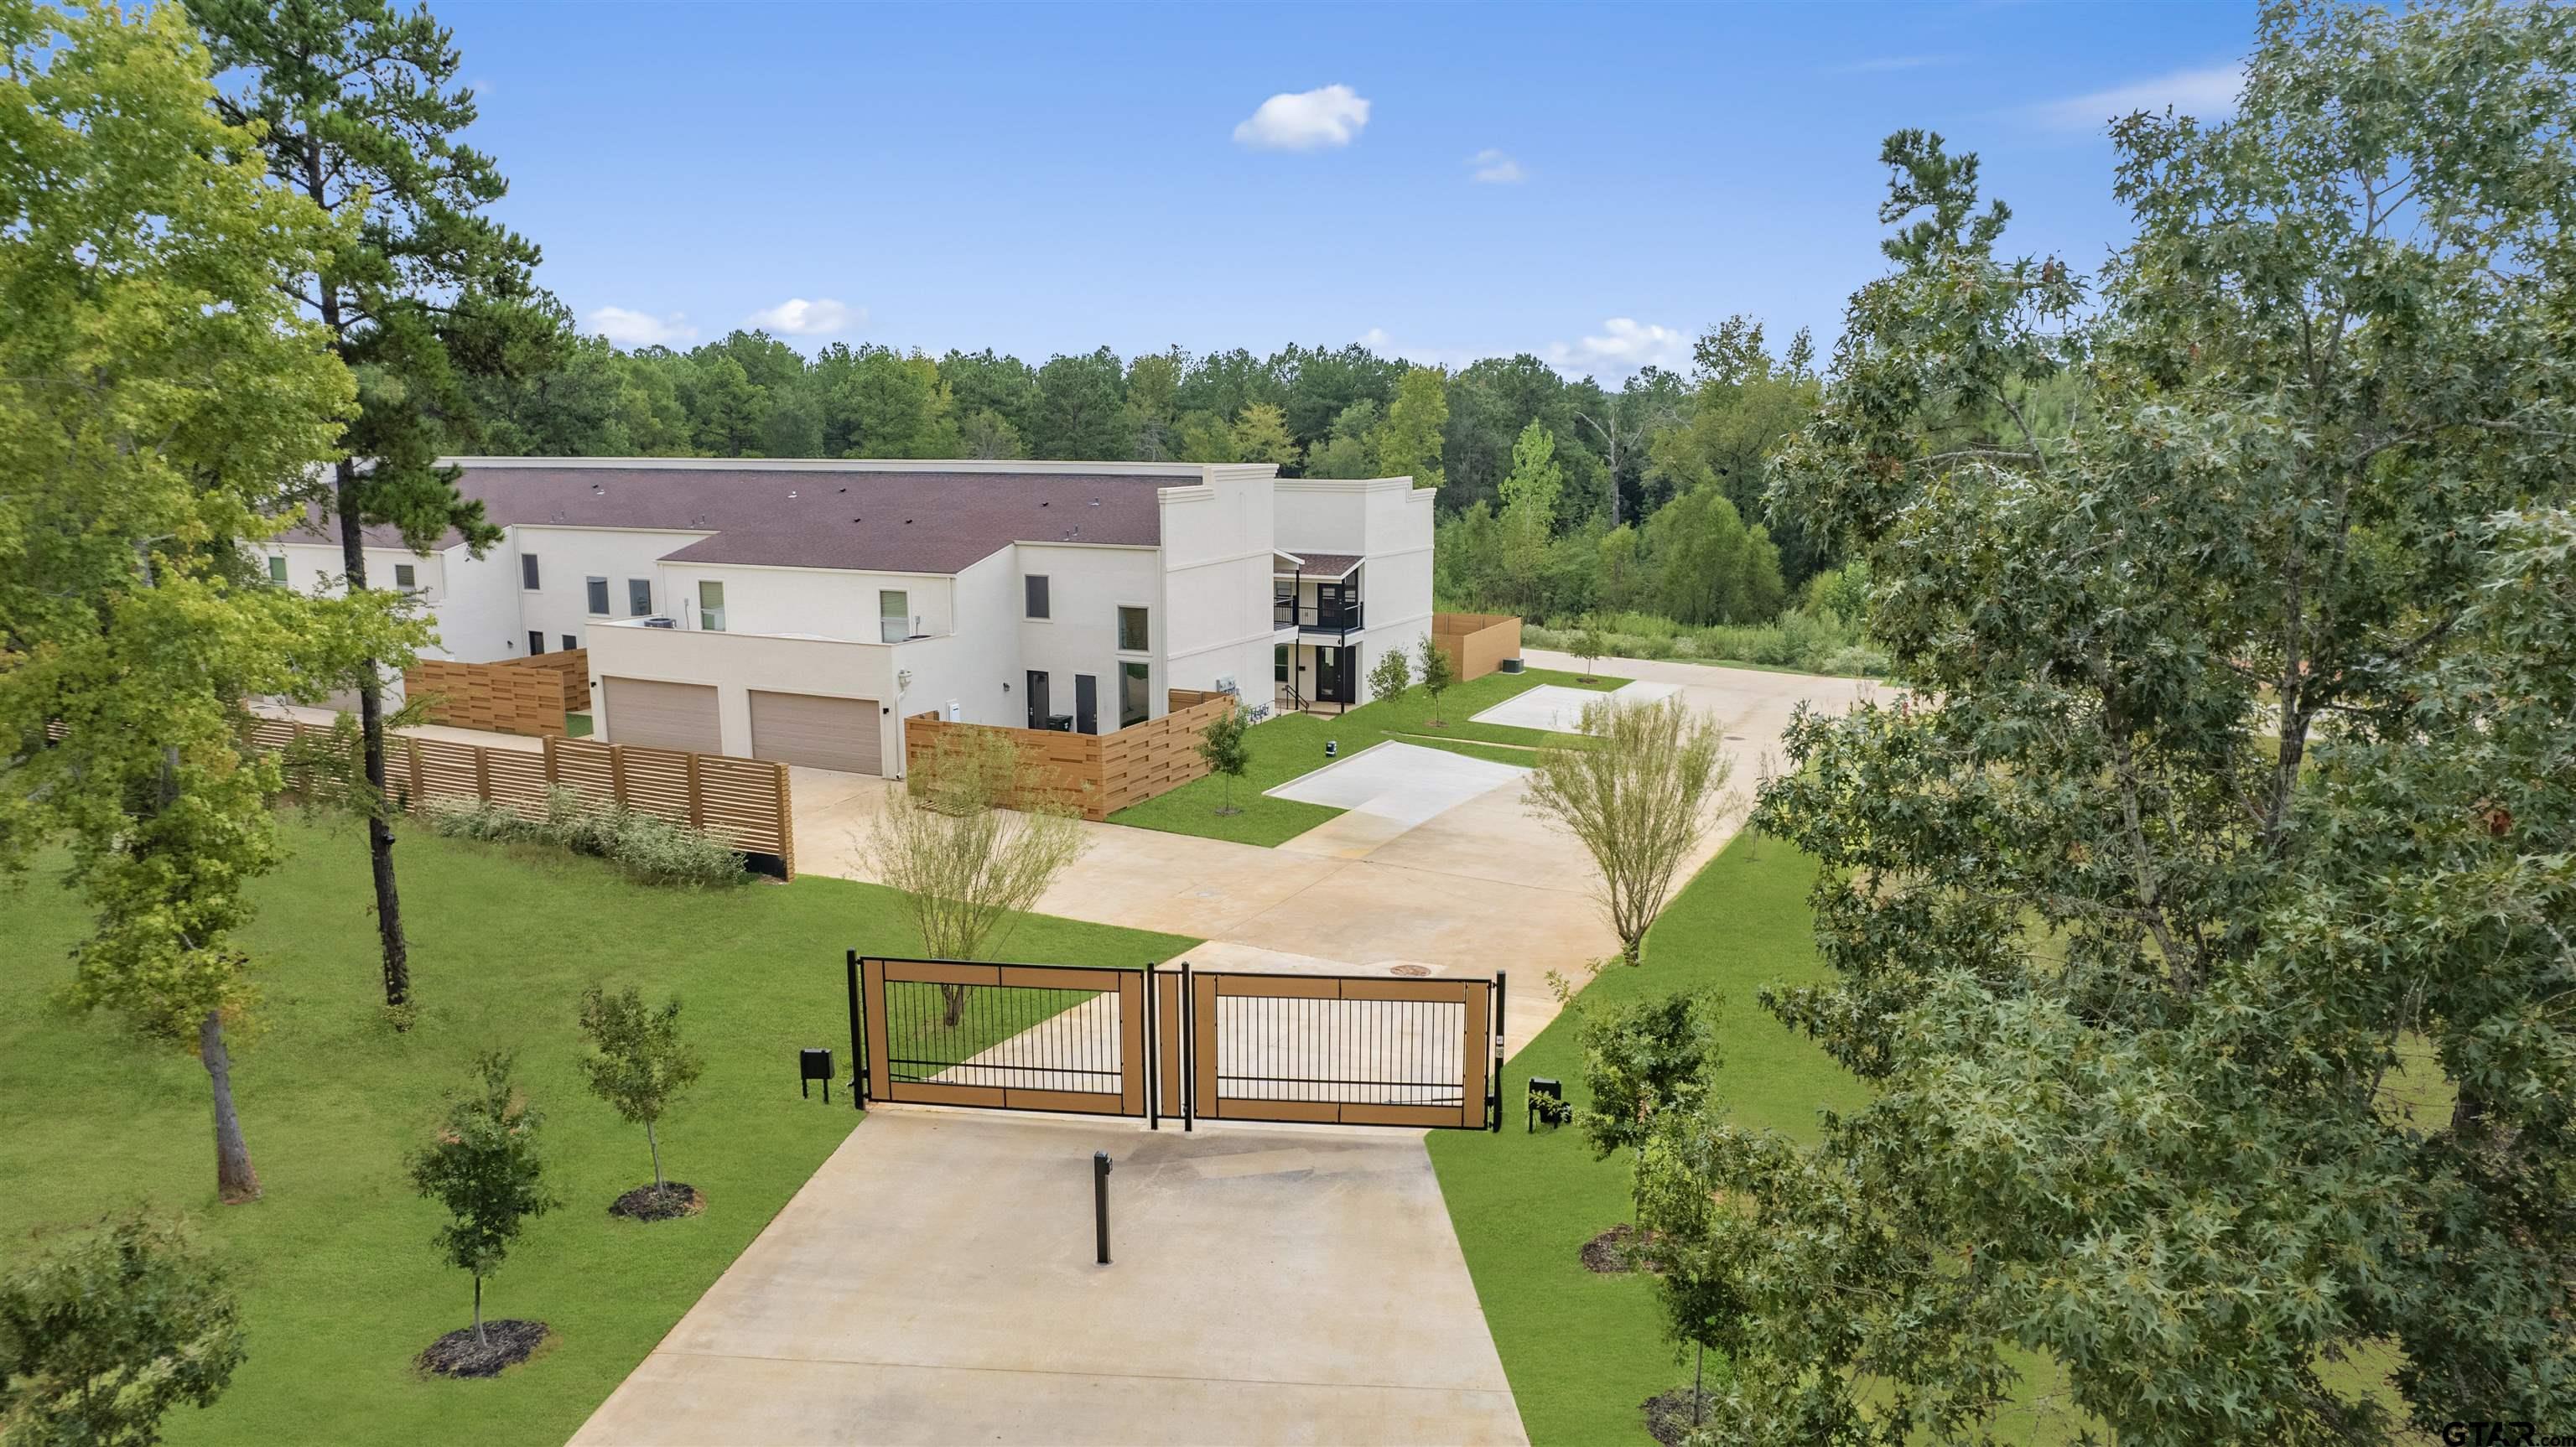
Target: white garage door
(663,715)
(819,733)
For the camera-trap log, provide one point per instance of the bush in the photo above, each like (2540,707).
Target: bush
(1816,640)
(646,846)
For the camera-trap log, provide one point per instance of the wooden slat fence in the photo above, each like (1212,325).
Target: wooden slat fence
(1477,643)
(1098,774)
(744,801)
(527,696)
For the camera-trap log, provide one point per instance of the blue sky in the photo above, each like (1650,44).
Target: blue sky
(1595,184)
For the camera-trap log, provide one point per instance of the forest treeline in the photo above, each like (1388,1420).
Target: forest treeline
(1559,499)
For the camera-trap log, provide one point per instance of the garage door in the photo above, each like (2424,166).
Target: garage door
(663,715)
(819,733)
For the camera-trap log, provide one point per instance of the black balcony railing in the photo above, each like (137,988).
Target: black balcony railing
(1315,617)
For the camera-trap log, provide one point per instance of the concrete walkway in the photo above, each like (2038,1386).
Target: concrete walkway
(1478,887)
(934,1283)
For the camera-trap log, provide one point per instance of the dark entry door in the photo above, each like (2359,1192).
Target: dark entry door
(1333,603)
(1037,699)
(1333,675)
(1086,703)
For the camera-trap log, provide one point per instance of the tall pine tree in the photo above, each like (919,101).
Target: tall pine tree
(360,110)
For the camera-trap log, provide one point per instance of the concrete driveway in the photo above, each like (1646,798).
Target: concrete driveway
(934,1283)
(1478,887)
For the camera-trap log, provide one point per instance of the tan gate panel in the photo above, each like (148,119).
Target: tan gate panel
(656,714)
(1471,1101)
(1035,1037)
(1131,1043)
(817,732)
(1167,1023)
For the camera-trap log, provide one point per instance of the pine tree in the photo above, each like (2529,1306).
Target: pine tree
(360,111)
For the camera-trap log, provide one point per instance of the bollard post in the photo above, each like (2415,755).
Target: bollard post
(1100,1201)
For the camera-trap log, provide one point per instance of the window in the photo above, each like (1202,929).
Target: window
(528,570)
(536,643)
(894,616)
(639,597)
(570,643)
(276,568)
(404,577)
(711,606)
(595,591)
(1037,591)
(1132,695)
(1131,630)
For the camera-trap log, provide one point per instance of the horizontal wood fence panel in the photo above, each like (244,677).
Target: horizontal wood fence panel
(1098,774)
(510,696)
(742,801)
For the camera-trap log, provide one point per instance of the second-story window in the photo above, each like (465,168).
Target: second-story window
(595,592)
(528,571)
(894,615)
(711,615)
(276,568)
(1037,591)
(1131,630)
(639,597)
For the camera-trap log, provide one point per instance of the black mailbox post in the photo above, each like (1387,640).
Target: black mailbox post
(813,1065)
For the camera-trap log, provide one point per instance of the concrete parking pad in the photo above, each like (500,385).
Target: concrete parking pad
(934,1284)
(1404,783)
(1559,710)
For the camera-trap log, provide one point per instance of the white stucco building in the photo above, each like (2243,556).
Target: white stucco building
(798,610)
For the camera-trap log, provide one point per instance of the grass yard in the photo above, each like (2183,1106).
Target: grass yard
(1583,1350)
(1293,744)
(339,1284)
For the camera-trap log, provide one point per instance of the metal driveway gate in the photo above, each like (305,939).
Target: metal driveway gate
(1218,1045)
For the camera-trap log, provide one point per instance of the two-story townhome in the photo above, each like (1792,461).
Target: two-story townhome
(799,610)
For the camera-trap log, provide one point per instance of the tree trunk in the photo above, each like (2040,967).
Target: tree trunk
(235,1181)
(478,1311)
(371,731)
(657,1155)
(953,1002)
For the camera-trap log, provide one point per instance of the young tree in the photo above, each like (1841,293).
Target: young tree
(1391,675)
(358,110)
(1589,644)
(1642,1060)
(1437,674)
(1529,497)
(1639,796)
(158,399)
(484,1169)
(1222,744)
(103,1334)
(967,867)
(2205,944)
(637,1061)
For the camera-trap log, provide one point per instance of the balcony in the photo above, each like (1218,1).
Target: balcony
(1336,619)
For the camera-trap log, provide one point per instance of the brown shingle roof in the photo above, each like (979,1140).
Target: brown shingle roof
(924,521)
(1315,565)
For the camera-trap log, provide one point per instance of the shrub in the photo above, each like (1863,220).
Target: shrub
(646,847)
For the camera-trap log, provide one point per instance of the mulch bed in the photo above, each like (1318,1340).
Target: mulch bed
(1618,1250)
(660,1203)
(505,1344)
(1668,1416)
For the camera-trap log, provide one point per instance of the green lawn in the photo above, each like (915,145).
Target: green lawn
(1583,1350)
(1293,744)
(339,1284)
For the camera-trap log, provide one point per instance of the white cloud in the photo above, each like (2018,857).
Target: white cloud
(1626,345)
(2207,92)
(1494,166)
(797,317)
(1376,339)
(1331,115)
(640,329)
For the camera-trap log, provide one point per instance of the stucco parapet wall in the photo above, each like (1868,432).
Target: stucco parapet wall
(1184,472)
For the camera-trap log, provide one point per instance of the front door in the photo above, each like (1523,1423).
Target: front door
(1332,603)
(1333,675)
(1086,703)
(1037,699)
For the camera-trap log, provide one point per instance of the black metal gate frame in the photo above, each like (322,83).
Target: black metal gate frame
(1170,1043)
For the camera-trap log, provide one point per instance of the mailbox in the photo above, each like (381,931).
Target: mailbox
(813,1065)
(1546,1102)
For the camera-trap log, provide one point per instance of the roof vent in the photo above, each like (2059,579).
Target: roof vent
(907,522)
(596,490)
(845,489)
(1043,503)
(791,494)
(1095,502)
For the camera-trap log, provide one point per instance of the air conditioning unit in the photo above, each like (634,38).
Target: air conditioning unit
(955,713)
(1225,683)
(661,622)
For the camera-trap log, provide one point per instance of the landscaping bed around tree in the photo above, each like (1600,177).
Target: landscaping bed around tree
(1583,1347)
(1292,745)
(340,1288)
